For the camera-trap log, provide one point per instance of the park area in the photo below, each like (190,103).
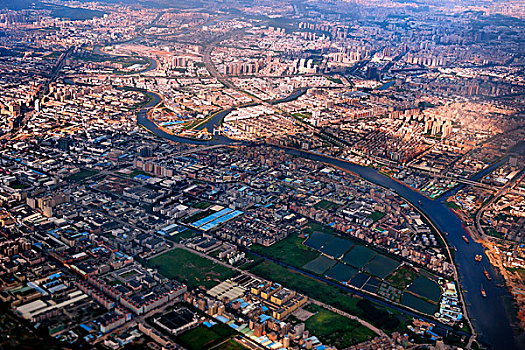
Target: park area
(187,267)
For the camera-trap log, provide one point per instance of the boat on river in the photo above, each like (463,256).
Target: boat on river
(486,273)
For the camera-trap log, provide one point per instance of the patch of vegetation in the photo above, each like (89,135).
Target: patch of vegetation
(203,337)
(230,345)
(335,80)
(301,116)
(16,335)
(128,274)
(520,271)
(136,172)
(402,277)
(376,215)
(186,234)
(190,268)
(17,185)
(328,294)
(202,205)
(453,205)
(327,205)
(196,216)
(254,261)
(289,250)
(315,226)
(81,175)
(335,329)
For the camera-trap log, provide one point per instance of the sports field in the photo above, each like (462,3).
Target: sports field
(203,337)
(324,204)
(230,345)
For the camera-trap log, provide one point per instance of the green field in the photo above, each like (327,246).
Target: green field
(402,277)
(136,172)
(336,330)
(129,274)
(81,175)
(327,205)
(197,216)
(230,345)
(335,80)
(453,205)
(202,205)
(326,293)
(126,61)
(289,250)
(203,337)
(188,233)
(190,268)
(376,215)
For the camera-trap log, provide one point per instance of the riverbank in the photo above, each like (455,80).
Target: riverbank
(483,311)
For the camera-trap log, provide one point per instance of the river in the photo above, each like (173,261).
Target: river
(488,315)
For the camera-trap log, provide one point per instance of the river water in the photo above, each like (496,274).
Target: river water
(489,315)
